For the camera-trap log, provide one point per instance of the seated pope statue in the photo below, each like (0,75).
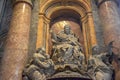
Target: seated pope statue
(66,47)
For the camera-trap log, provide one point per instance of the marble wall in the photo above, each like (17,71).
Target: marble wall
(2,6)
(119,5)
(5,15)
(98,26)
(5,18)
(34,27)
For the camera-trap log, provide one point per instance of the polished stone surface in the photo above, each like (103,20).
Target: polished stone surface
(16,49)
(33,28)
(98,28)
(110,19)
(5,15)
(26,1)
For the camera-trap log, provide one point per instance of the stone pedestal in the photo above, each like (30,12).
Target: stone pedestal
(16,49)
(108,10)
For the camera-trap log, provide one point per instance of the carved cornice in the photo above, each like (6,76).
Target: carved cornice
(99,2)
(23,1)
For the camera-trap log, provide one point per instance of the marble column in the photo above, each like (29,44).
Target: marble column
(16,49)
(109,14)
(110,18)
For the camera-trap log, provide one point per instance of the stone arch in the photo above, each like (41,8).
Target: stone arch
(47,4)
(70,8)
(64,12)
(83,8)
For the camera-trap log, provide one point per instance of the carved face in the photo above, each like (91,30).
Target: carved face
(67,29)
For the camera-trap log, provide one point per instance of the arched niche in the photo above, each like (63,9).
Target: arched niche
(79,8)
(63,17)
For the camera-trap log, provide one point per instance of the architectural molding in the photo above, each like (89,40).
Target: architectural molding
(99,2)
(23,1)
(64,3)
